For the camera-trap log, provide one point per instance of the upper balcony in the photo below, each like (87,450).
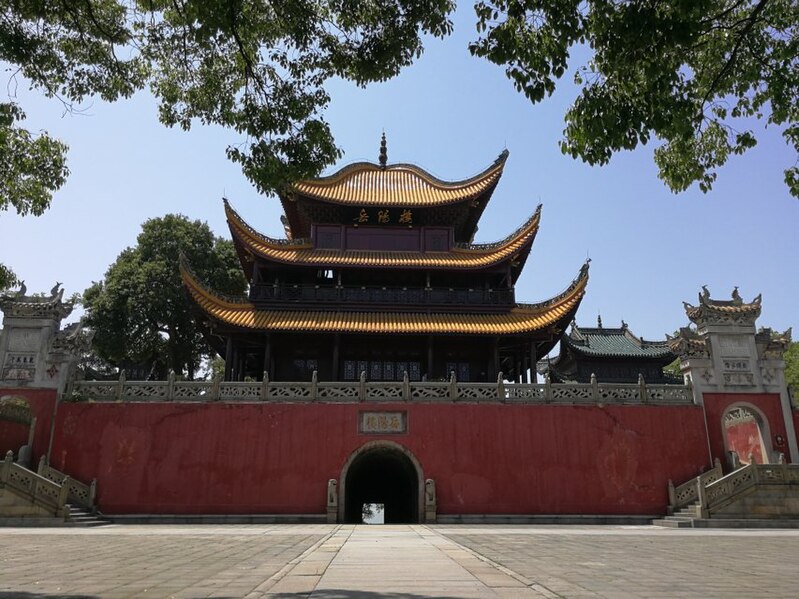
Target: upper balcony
(406,299)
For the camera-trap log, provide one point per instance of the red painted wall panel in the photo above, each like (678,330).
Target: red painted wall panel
(41,402)
(277,458)
(716,404)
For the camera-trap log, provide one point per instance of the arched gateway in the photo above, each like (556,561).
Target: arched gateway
(382,472)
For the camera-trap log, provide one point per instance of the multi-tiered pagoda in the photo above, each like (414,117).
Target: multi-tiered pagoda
(379,274)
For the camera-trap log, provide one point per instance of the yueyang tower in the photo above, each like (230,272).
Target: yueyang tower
(378,274)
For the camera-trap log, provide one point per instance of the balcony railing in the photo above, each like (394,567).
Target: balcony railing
(593,393)
(311,294)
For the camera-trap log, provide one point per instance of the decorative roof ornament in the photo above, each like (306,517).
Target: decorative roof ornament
(599,321)
(383,151)
(734,311)
(688,344)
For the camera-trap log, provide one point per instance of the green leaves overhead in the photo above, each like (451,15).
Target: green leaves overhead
(139,311)
(692,73)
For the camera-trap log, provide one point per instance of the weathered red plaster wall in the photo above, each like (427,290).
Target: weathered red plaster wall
(716,404)
(13,435)
(41,402)
(277,458)
(744,439)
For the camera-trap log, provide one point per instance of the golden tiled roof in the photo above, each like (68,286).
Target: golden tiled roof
(301,251)
(366,184)
(524,318)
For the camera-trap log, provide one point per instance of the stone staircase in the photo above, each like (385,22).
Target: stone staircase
(80,517)
(754,495)
(682,518)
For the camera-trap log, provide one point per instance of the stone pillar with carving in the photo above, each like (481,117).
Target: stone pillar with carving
(332,501)
(430,501)
(34,351)
(725,353)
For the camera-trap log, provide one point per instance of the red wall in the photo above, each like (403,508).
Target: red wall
(277,458)
(716,404)
(14,435)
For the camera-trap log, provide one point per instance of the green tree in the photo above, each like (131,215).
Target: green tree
(791,358)
(256,67)
(692,73)
(139,312)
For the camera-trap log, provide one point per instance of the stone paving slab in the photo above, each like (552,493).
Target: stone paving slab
(640,561)
(396,562)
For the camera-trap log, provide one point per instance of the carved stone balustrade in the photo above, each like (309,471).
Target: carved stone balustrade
(374,392)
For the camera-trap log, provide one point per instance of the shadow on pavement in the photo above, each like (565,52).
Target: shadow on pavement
(349,594)
(25,595)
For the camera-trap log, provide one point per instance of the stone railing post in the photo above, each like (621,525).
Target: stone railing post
(717,467)
(642,388)
(42,464)
(362,386)
(314,386)
(7,463)
(672,495)
(501,388)
(120,384)
(689,385)
(63,494)
(453,386)
(215,384)
(265,386)
(701,497)
(547,388)
(406,386)
(170,386)
(92,492)
(594,387)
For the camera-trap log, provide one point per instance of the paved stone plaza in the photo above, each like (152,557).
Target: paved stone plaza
(388,562)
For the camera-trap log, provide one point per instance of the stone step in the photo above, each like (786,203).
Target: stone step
(80,517)
(672,522)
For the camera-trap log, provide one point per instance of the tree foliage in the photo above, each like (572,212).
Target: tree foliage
(693,73)
(139,312)
(791,358)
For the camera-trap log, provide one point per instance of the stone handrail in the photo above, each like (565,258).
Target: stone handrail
(725,489)
(78,493)
(688,492)
(39,490)
(592,393)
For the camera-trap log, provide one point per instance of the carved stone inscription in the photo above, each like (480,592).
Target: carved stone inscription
(24,340)
(733,345)
(19,367)
(373,423)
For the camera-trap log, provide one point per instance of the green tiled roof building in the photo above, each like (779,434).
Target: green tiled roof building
(613,354)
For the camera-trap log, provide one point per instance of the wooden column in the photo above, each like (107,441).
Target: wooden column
(493,359)
(429,357)
(229,359)
(268,354)
(336,352)
(533,362)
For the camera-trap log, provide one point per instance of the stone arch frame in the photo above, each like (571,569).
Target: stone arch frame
(19,409)
(762,424)
(372,446)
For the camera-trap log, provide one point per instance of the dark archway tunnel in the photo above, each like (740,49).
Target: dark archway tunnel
(382,475)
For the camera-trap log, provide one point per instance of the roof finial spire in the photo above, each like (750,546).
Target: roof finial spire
(599,321)
(383,151)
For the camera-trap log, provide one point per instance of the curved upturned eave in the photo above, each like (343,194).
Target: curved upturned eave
(302,252)
(524,318)
(365,184)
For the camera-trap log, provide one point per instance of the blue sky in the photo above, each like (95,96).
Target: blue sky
(451,114)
